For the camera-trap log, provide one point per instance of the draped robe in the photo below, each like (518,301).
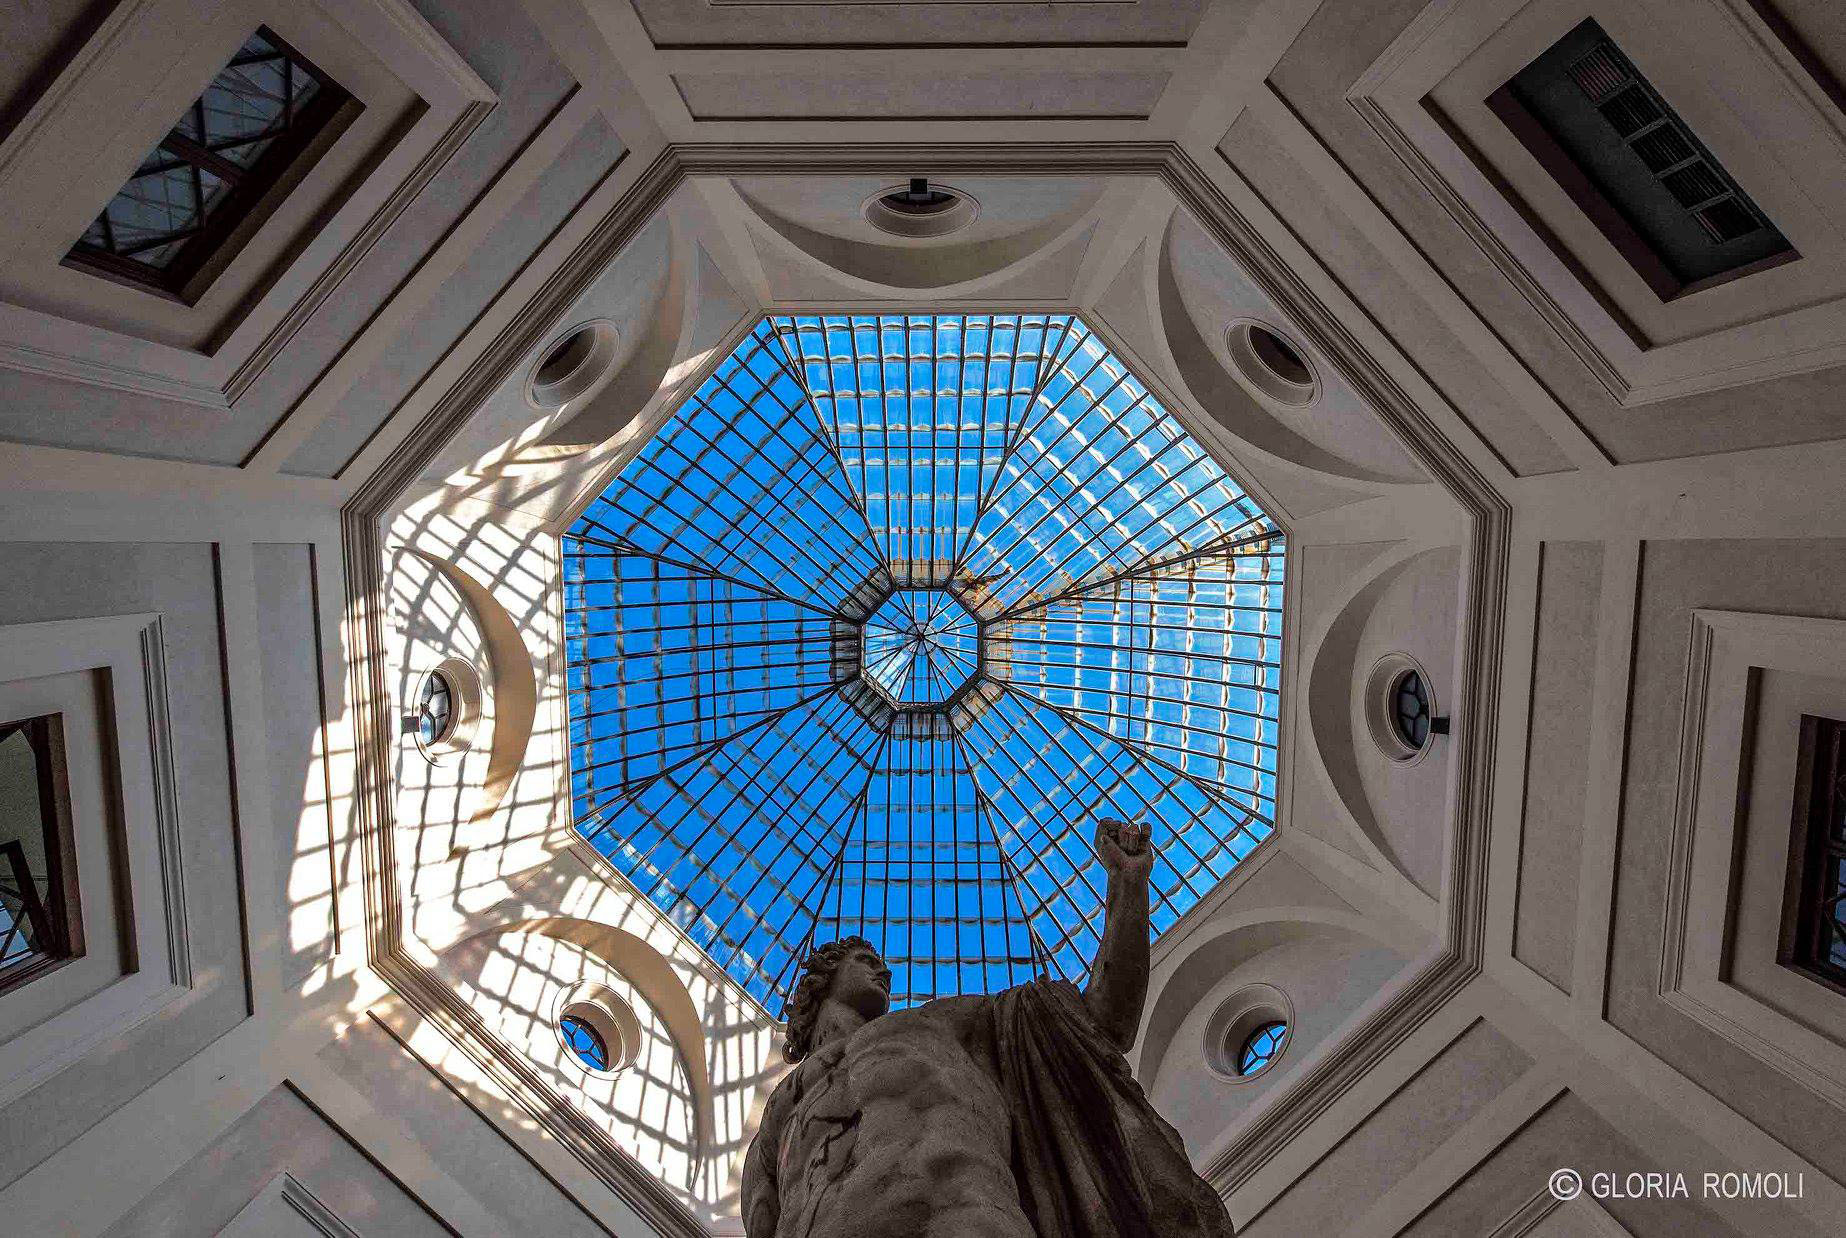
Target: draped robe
(1087,1155)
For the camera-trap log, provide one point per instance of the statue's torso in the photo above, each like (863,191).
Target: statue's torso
(900,1129)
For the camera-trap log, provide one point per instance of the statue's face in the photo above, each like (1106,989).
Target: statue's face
(862,982)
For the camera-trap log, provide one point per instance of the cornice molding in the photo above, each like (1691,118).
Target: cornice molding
(1290,1108)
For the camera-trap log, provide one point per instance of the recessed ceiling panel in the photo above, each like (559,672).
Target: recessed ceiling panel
(961,23)
(1068,94)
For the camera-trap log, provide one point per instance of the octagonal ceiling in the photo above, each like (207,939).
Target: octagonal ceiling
(871,632)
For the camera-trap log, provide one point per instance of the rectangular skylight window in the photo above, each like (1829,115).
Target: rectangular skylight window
(40,927)
(221,169)
(1609,139)
(1817,878)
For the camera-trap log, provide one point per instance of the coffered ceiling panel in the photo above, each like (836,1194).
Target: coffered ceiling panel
(920,96)
(730,23)
(416,100)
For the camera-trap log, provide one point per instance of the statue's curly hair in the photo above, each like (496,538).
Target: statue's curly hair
(803,1008)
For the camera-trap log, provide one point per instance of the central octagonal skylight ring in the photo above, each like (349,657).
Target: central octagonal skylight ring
(921,648)
(730,760)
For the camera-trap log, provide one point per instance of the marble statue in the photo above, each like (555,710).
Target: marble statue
(1008,1115)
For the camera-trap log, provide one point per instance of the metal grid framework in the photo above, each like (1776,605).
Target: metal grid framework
(920,647)
(1104,615)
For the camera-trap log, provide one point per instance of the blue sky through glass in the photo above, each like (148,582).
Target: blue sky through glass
(872,632)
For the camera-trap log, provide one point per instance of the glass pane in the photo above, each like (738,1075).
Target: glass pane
(155,206)
(436,709)
(920,646)
(1261,1047)
(1410,709)
(584,1041)
(1833,912)
(31,899)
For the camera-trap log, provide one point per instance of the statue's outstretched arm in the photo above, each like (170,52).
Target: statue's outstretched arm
(1118,978)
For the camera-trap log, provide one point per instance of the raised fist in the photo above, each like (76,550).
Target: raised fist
(1124,847)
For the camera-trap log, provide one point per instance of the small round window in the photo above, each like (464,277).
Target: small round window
(920,208)
(1247,1031)
(598,1029)
(574,367)
(1280,357)
(443,709)
(435,709)
(919,197)
(1271,363)
(1261,1047)
(585,1041)
(1400,708)
(566,358)
(1410,709)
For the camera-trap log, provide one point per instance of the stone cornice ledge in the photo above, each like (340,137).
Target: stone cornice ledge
(1291,1108)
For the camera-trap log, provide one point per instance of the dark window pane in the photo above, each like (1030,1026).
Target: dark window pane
(1630,111)
(1601,73)
(1661,147)
(38,902)
(1727,220)
(222,156)
(1694,183)
(1818,857)
(1410,709)
(1641,175)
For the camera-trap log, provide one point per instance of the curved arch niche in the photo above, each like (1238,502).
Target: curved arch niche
(1324,967)
(1409,607)
(520,979)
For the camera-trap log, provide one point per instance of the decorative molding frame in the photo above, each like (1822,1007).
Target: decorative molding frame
(1288,1109)
(285,1190)
(1706,890)
(129,653)
(454,102)
(1799,334)
(166,797)
(1527,1218)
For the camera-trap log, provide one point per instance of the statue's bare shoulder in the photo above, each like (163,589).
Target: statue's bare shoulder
(899,1121)
(966,1020)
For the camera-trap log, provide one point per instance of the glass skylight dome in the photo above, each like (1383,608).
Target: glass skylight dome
(869,635)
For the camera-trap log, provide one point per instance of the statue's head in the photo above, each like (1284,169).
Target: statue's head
(848,971)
